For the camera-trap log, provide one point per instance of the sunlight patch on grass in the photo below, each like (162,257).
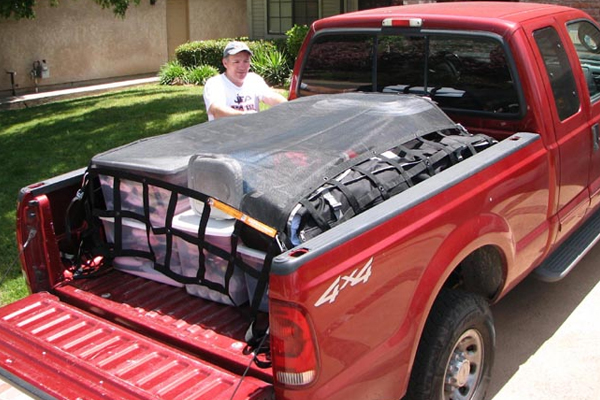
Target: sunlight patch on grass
(44,141)
(183,117)
(13,289)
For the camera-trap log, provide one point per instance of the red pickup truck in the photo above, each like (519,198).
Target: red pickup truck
(391,303)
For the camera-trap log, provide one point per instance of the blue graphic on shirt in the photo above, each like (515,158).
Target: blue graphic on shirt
(244,103)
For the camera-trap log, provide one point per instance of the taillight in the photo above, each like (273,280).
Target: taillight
(293,348)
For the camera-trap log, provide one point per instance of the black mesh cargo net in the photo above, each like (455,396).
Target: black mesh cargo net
(301,167)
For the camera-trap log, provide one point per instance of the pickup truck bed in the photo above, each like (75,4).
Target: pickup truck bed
(123,309)
(103,357)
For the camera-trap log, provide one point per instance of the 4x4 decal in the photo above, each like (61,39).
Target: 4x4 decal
(343,281)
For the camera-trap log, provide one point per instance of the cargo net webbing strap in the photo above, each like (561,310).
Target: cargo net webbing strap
(367,180)
(155,237)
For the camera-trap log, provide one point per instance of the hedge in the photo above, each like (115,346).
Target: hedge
(273,59)
(210,52)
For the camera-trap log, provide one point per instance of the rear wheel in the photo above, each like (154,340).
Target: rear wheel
(456,352)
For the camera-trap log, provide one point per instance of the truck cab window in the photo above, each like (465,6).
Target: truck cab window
(460,73)
(457,72)
(339,63)
(586,40)
(559,72)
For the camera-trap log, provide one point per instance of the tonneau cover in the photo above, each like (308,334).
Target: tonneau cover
(55,350)
(288,150)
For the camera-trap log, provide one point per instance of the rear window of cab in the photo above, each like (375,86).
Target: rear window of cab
(459,72)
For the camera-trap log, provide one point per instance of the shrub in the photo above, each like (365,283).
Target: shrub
(281,44)
(172,73)
(271,64)
(261,46)
(199,75)
(294,38)
(210,52)
(204,52)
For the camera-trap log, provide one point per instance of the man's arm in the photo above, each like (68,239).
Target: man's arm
(273,98)
(220,111)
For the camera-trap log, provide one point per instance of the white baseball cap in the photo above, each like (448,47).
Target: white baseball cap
(235,47)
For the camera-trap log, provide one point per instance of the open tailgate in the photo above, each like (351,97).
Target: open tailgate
(55,350)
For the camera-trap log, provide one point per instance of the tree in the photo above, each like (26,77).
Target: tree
(19,9)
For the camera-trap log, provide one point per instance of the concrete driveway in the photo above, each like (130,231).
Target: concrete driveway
(548,338)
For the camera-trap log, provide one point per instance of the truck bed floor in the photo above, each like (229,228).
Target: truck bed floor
(212,331)
(57,351)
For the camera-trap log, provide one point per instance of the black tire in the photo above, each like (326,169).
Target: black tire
(456,352)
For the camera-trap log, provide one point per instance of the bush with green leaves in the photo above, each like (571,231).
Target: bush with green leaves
(281,45)
(203,52)
(210,52)
(268,60)
(172,73)
(199,75)
(294,38)
(271,64)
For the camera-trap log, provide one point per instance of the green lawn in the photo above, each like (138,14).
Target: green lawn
(40,142)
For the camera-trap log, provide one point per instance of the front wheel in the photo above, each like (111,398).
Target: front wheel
(456,352)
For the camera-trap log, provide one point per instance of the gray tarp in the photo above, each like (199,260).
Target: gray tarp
(287,151)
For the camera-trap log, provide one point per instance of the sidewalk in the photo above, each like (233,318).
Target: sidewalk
(28,100)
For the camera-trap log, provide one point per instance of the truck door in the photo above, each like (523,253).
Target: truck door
(585,37)
(570,123)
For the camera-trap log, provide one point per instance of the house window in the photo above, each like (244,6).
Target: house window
(368,4)
(283,14)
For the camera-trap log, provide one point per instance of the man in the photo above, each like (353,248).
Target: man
(237,91)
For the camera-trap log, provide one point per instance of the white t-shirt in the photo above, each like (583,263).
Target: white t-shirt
(220,90)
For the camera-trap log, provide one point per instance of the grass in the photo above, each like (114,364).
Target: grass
(40,142)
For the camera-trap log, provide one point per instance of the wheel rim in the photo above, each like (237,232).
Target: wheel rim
(465,367)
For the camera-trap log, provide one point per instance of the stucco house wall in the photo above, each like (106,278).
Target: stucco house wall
(82,42)
(210,19)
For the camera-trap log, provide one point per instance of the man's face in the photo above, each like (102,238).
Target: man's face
(237,67)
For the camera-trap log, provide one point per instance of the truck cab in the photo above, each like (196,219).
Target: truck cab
(496,69)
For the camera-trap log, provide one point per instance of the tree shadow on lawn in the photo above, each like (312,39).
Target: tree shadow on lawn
(55,140)
(10,117)
(44,141)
